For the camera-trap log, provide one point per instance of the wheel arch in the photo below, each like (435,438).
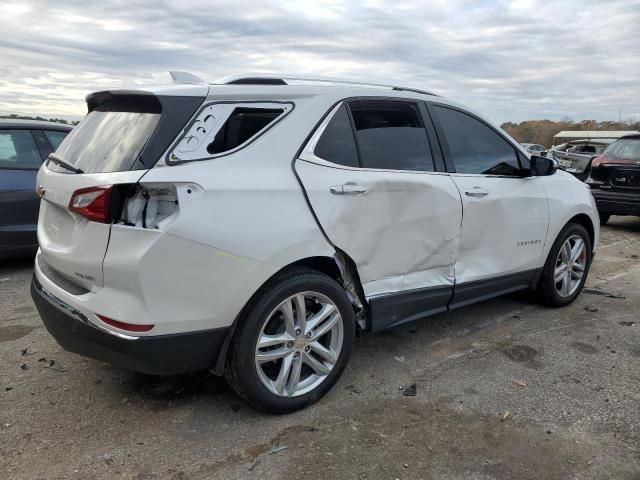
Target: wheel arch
(584,220)
(340,267)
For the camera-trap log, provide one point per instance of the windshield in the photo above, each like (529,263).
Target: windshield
(107,141)
(624,149)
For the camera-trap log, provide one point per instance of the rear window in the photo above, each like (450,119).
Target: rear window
(108,141)
(625,149)
(222,128)
(55,138)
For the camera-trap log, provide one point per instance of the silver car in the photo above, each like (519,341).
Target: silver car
(575,156)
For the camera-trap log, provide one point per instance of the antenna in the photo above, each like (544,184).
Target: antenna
(184,77)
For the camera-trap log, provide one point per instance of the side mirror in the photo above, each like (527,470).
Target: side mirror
(543,166)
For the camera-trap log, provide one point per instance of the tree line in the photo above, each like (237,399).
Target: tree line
(542,131)
(14,116)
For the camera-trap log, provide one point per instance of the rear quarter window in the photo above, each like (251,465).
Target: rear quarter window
(223,128)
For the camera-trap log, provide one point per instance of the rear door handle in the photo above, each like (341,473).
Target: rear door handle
(476,192)
(348,188)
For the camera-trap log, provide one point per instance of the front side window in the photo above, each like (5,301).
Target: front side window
(221,128)
(18,150)
(475,147)
(391,136)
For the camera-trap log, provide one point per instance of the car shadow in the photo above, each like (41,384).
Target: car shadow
(624,223)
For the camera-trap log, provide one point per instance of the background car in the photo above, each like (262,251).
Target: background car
(615,179)
(575,156)
(535,149)
(24,145)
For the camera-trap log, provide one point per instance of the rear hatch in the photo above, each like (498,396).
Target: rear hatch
(618,169)
(124,134)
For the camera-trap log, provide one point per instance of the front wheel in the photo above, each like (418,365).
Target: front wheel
(292,343)
(567,266)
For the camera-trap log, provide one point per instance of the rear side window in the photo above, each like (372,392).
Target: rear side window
(391,136)
(18,150)
(337,144)
(475,147)
(222,128)
(55,138)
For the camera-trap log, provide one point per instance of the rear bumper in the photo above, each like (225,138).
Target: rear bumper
(155,355)
(617,203)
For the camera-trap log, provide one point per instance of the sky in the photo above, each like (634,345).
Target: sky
(511,60)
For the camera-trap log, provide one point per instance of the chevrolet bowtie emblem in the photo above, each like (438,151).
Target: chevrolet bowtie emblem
(40,191)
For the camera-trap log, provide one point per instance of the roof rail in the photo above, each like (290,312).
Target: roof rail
(276,79)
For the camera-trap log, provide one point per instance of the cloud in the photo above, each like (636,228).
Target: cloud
(512,60)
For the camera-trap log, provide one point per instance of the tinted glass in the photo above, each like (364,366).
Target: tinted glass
(107,141)
(243,124)
(337,144)
(18,150)
(625,149)
(391,136)
(474,146)
(55,138)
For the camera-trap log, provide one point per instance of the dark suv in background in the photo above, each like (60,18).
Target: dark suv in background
(615,179)
(24,145)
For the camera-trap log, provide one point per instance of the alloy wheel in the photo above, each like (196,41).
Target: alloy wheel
(571,264)
(299,344)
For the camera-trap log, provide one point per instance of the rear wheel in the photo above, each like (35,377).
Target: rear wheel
(567,266)
(604,217)
(293,342)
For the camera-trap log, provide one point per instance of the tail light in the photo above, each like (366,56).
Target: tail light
(596,162)
(92,203)
(129,327)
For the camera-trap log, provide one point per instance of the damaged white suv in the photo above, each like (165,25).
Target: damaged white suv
(252,226)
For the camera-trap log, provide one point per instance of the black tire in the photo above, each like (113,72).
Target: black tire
(547,286)
(604,217)
(240,368)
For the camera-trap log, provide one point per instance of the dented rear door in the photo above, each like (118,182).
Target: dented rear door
(401,227)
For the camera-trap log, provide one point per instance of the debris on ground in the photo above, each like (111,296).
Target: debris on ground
(52,365)
(253,465)
(277,448)
(627,324)
(108,459)
(520,383)
(591,309)
(505,415)
(410,391)
(27,351)
(353,389)
(24,366)
(595,291)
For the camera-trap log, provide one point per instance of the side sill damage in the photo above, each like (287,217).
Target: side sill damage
(351,284)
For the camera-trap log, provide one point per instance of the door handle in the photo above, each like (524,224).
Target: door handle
(476,192)
(348,188)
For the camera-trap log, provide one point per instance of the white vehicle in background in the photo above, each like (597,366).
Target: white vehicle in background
(252,226)
(535,149)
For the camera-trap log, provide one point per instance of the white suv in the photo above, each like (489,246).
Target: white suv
(252,227)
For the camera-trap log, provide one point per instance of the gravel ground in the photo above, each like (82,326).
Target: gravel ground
(505,389)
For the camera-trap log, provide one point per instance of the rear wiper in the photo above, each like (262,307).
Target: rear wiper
(57,160)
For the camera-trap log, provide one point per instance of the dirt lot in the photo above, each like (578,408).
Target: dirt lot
(505,389)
